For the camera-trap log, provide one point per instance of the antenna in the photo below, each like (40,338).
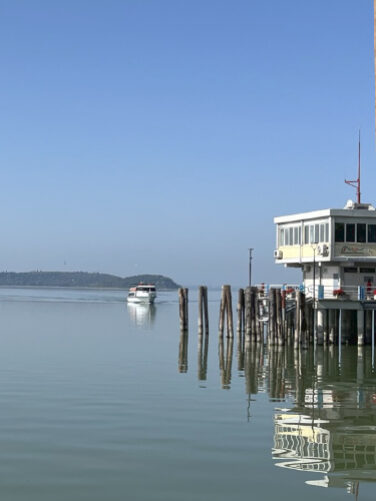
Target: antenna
(356,183)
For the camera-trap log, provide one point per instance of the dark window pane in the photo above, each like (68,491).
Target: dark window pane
(361,233)
(372,233)
(367,270)
(339,232)
(350,232)
(351,270)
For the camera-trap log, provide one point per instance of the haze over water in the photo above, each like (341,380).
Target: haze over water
(99,401)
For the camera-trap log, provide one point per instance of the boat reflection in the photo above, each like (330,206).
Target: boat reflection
(142,314)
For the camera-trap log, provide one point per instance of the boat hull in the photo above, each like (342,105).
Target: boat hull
(138,300)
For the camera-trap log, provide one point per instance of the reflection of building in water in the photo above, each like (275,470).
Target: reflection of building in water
(142,315)
(338,441)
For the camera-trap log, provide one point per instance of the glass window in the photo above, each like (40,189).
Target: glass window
(361,232)
(296,235)
(300,235)
(339,232)
(367,270)
(372,233)
(311,234)
(282,237)
(326,232)
(291,236)
(322,233)
(351,270)
(317,233)
(350,232)
(306,234)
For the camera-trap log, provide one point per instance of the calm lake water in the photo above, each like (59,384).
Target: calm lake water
(101,401)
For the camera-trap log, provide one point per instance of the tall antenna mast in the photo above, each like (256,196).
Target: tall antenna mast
(374,49)
(356,182)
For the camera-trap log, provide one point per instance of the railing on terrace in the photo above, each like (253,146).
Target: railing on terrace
(348,292)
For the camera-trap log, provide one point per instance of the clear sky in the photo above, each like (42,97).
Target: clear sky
(163,136)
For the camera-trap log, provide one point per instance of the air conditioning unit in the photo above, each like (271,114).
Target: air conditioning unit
(322,250)
(278,254)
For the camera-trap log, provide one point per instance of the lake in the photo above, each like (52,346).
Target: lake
(104,401)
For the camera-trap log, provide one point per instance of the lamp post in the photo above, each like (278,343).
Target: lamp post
(250,266)
(314,290)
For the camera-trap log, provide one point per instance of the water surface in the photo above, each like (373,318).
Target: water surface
(100,400)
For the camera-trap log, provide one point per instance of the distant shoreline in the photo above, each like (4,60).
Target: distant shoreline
(81,280)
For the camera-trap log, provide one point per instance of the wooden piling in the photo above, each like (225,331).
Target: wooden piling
(203,320)
(183,308)
(222,309)
(240,311)
(230,322)
(247,311)
(297,320)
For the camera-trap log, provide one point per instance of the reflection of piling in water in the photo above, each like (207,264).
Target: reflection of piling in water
(183,309)
(225,361)
(253,358)
(225,309)
(203,347)
(183,351)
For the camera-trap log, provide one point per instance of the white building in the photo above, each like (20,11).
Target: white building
(335,248)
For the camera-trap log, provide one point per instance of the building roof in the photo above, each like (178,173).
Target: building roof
(350,210)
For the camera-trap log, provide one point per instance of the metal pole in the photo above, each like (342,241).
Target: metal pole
(314,295)
(250,267)
(373,339)
(340,337)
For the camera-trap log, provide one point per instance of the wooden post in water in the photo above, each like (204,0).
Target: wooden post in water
(240,311)
(222,309)
(303,320)
(183,309)
(226,309)
(230,322)
(297,320)
(206,311)
(279,318)
(203,310)
(200,310)
(247,308)
(272,323)
(253,313)
(259,323)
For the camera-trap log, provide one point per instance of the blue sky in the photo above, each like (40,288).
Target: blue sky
(163,136)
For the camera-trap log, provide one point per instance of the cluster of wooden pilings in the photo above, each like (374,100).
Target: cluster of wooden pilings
(276,316)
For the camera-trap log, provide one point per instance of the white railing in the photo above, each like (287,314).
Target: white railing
(347,292)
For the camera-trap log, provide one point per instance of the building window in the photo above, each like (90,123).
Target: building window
(306,234)
(339,232)
(322,233)
(372,233)
(282,237)
(367,270)
(291,236)
(317,234)
(326,232)
(350,270)
(361,233)
(350,232)
(296,235)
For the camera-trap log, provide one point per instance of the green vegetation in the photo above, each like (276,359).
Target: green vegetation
(81,279)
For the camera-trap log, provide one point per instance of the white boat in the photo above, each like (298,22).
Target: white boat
(142,293)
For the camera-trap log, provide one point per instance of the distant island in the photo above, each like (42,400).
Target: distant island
(81,279)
